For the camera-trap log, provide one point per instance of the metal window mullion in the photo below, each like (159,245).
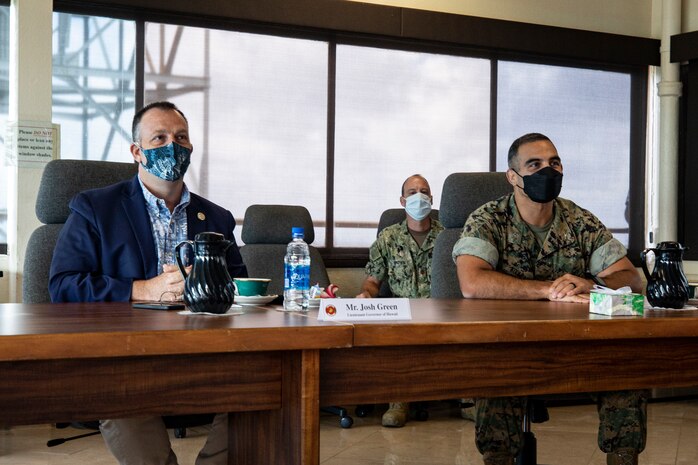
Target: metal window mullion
(331,88)
(494,69)
(140,65)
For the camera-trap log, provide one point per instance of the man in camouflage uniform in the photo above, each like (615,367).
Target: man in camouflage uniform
(402,256)
(533,245)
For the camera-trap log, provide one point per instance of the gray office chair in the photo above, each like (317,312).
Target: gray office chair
(60,182)
(462,194)
(266,231)
(390,217)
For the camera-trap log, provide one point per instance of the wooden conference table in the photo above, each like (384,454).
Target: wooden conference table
(273,369)
(66,362)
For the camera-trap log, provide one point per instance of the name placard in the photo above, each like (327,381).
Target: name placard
(364,309)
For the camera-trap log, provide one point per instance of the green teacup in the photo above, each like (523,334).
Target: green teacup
(251,286)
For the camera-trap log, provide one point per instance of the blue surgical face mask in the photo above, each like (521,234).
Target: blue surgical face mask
(169,162)
(418,206)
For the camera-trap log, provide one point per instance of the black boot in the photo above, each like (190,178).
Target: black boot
(622,457)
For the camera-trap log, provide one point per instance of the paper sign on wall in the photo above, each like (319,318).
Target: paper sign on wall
(364,309)
(31,144)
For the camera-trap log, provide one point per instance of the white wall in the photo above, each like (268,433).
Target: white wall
(627,17)
(641,18)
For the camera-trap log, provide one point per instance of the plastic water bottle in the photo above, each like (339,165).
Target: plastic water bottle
(297,273)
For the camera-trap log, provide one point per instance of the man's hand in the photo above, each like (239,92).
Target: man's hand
(369,288)
(575,299)
(569,285)
(168,286)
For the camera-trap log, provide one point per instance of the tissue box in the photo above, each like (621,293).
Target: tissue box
(616,305)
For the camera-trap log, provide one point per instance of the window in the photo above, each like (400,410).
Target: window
(399,113)
(93,89)
(586,114)
(93,86)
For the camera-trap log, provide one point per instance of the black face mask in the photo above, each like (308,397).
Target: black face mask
(543,186)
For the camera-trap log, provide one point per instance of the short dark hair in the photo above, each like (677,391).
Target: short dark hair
(525,139)
(402,190)
(163,105)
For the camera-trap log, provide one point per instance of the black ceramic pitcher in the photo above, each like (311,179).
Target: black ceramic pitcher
(667,285)
(208,286)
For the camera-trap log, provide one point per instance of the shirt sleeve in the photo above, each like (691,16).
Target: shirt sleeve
(606,255)
(479,238)
(603,249)
(478,248)
(376,266)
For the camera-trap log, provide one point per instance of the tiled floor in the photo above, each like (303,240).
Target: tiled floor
(569,438)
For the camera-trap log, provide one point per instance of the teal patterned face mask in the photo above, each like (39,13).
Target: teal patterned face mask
(169,162)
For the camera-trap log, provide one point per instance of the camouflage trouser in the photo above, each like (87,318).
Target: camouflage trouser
(622,422)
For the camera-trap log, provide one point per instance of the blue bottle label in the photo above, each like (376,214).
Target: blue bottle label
(297,277)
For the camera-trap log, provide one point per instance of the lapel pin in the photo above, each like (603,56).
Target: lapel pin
(201,216)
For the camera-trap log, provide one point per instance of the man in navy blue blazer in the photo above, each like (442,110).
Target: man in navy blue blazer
(118,245)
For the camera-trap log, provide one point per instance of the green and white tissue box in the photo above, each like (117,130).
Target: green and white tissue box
(616,302)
